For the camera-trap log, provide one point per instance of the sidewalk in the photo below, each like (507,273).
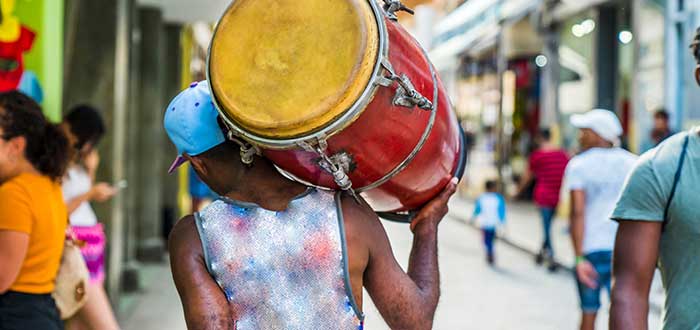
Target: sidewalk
(156,306)
(524,232)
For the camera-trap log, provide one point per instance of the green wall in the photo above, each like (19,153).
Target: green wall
(45,17)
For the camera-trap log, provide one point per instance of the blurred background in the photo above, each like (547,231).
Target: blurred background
(511,67)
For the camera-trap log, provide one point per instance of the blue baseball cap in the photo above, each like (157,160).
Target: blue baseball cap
(191,123)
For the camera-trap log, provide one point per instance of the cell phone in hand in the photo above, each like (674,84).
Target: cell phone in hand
(121,185)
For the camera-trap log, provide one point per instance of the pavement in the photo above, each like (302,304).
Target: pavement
(523,231)
(515,294)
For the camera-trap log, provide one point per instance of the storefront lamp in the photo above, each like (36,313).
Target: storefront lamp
(625,37)
(541,61)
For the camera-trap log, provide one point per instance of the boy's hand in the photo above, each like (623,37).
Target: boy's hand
(433,212)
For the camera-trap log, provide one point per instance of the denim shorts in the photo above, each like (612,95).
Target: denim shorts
(590,298)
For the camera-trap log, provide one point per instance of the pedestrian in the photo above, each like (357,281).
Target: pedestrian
(84,127)
(659,225)
(274,254)
(34,155)
(546,167)
(594,179)
(661,130)
(489,214)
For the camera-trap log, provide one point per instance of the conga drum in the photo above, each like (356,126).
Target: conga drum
(337,95)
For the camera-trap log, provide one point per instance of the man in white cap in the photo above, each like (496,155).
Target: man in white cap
(594,179)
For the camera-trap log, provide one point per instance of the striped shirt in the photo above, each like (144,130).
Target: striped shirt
(548,167)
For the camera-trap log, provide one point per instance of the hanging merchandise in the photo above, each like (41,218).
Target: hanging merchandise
(15,40)
(29,84)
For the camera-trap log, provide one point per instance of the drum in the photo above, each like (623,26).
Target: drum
(338,95)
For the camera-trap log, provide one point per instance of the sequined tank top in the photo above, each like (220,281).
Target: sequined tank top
(281,270)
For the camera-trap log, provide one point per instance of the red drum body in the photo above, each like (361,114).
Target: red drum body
(385,135)
(397,153)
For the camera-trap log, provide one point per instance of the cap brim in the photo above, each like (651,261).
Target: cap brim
(178,161)
(580,121)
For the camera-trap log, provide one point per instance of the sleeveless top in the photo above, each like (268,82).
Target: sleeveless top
(281,270)
(77,182)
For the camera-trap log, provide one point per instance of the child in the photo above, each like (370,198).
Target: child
(489,213)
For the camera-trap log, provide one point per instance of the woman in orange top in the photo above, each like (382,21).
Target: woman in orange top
(33,218)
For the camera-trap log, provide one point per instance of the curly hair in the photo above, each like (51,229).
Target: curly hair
(47,145)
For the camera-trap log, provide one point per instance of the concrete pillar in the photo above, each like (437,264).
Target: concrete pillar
(130,274)
(173,84)
(606,49)
(150,135)
(121,96)
(549,91)
(94,75)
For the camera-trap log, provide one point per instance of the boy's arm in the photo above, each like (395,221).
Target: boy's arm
(477,208)
(203,301)
(407,301)
(502,209)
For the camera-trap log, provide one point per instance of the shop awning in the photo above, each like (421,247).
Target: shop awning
(568,8)
(475,24)
(188,11)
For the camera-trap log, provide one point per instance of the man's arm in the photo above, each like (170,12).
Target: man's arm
(584,269)
(636,252)
(578,205)
(203,301)
(407,300)
(525,181)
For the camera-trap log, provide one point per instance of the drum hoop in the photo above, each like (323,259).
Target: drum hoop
(334,126)
(401,166)
(424,138)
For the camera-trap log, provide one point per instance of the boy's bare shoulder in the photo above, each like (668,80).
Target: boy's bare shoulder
(184,238)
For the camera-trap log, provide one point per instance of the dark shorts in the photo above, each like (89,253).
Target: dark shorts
(23,311)
(590,298)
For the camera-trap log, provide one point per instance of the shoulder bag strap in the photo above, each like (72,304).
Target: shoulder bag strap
(676,178)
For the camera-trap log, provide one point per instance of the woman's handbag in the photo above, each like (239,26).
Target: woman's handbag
(71,280)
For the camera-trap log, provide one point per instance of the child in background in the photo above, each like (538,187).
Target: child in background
(489,213)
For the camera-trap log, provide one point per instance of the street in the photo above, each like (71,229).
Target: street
(516,294)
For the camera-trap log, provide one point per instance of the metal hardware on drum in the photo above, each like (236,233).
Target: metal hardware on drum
(393,6)
(423,138)
(406,95)
(336,165)
(247,150)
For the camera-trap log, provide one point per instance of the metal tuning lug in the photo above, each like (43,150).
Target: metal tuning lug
(338,165)
(406,94)
(393,6)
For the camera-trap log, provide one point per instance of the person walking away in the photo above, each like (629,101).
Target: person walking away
(85,128)
(274,254)
(489,214)
(546,167)
(594,179)
(34,155)
(660,227)
(661,130)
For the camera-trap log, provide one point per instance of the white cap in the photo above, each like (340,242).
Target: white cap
(602,122)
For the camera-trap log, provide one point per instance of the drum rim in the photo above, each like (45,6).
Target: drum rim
(403,164)
(334,126)
(423,139)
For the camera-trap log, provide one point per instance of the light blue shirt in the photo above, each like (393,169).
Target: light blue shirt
(490,210)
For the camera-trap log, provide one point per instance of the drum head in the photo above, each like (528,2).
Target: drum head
(284,68)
